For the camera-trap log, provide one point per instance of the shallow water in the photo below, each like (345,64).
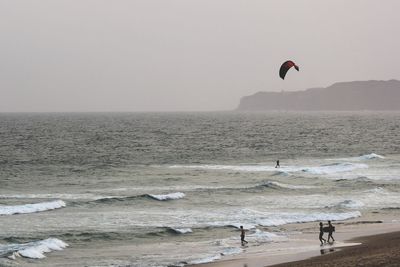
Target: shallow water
(174,187)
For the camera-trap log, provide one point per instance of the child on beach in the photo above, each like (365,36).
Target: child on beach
(242,234)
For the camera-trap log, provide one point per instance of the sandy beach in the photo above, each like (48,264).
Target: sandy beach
(358,243)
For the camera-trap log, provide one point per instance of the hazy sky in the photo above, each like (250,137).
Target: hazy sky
(170,55)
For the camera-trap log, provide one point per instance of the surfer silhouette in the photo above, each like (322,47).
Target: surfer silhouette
(277,164)
(242,235)
(321,234)
(331,229)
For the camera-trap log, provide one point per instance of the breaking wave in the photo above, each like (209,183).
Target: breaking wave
(162,197)
(370,156)
(274,184)
(31,208)
(170,196)
(180,230)
(33,250)
(349,204)
(301,218)
(334,168)
(54,196)
(283,170)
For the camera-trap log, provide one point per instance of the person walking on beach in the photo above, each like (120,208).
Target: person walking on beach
(330,231)
(242,235)
(277,164)
(321,233)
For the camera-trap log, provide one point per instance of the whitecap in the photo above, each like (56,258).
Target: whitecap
(350,204)
(55,196)
(182,230)
(334,168)
(370,156)
(246,226)
(244,168)
(33,250)
(377,190)
(170,196)
(286,218)
(31,208)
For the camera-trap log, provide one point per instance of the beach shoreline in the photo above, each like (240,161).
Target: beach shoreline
(303,249)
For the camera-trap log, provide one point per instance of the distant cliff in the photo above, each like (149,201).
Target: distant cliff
(359,95)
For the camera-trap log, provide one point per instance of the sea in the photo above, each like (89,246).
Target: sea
(172,189)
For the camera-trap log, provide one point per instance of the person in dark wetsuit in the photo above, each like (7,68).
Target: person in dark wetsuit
(331,230)
(242,234)
(321,234)
(277,164)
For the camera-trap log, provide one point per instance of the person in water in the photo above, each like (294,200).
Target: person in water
(330,231)
(321,234)
(277,164)
(242,235)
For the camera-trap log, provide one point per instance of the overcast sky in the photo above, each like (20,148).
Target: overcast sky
(181,55)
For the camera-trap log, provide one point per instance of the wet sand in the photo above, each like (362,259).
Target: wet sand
(377,250)
(358,243)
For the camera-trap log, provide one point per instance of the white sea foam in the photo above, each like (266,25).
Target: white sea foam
(287,218)
(33,250)
(246,226)
(31,208)
(170,196)
(371,156)
(377,190)
(323,169)
(55,196)
(231,251)
(244,168)
(205,260)
(350,204)
(264,237)
(361,158)
(182,230)
(334,168)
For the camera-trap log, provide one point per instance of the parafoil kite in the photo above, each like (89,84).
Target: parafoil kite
(285,67)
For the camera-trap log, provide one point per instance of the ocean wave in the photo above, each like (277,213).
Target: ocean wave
(244,168)
(78,196)
(263,237)
(31,208)
(348,204)
(275,184)
(180,230)
(33,250)
(206,259)
(334,168)
(170,196)
(163,197)
(377,190)
(283,170)
(370,156)
(108,200)
(302,218)
(246,226)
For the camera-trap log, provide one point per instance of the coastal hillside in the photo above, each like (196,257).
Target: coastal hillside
(357,95)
